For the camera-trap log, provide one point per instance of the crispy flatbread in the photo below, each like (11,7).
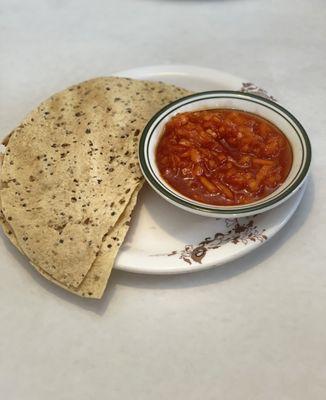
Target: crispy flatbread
(96,279)
(69,172)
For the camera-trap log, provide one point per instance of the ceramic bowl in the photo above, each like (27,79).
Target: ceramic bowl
(260,106)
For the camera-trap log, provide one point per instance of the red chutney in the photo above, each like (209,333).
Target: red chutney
(223,156)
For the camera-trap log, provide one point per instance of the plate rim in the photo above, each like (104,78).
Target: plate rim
(180,69)
(149,72)
(229,258)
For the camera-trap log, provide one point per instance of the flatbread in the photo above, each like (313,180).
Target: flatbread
(95,281)
(69,172)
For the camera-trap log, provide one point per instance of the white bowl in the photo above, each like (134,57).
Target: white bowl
(262,107)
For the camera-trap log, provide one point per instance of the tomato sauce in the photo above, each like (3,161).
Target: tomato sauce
(223,156)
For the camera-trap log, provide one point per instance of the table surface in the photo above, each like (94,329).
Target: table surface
(252,329)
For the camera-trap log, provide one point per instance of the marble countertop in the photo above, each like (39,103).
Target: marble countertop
(252,329)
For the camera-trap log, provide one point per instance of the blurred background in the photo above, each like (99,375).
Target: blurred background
(49,44)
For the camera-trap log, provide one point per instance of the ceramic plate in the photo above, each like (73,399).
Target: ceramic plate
(164,239)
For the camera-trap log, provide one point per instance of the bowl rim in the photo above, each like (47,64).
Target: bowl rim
(212,209)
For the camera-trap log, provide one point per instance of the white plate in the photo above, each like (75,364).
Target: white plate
(164,239)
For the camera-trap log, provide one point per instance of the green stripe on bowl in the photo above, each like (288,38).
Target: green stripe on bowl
(159,184)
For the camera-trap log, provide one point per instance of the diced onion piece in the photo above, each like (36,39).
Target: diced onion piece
(198,170)
(195,155)
(262,173)
(225,190)
(208,184)
(185,154)
(253,185)
(185,142)
(211,132)
(244,160)
(212,163)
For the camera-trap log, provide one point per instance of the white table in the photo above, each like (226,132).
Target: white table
(253,329)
